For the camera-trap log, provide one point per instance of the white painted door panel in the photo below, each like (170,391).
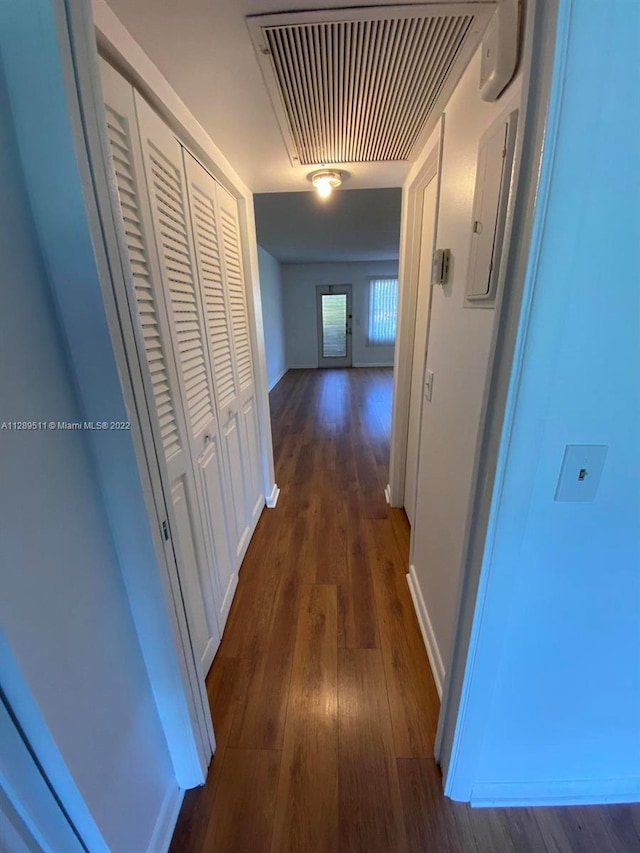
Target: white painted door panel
(485,240)
(148,298)
(242,355)
(169,204)
(185,547)
(214,486)
(208,242)
(252,451)
(216,240)
(232,440)
(423,305)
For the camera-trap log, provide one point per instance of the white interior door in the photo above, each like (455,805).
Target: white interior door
(242,355)
(232,522)
(334,325)
(185,522)
(166,183)
(423,305)
(216,239)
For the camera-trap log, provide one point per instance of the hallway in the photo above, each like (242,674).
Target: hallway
(321,633)
(323,702)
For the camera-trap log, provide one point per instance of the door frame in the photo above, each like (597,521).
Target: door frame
(419,178)
(432,172)
(328,290)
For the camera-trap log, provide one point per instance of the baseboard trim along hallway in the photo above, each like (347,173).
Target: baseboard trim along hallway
(272,499)
(426,629)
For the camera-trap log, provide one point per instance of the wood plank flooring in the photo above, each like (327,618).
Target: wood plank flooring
(323,702)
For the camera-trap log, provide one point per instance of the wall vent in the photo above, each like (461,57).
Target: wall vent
(364,85)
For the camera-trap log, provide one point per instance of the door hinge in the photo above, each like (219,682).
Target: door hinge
(165,531)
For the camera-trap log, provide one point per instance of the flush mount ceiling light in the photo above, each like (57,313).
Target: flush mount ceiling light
(325,181)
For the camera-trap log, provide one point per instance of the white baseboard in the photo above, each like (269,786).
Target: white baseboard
(209,653)
(226,605)
(166,822)
(272,499)
(372,364)
(387,494)
(273,384)
(565,792)
(355,364)
(426,629)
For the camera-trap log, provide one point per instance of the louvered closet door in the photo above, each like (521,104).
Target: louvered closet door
(169,202)
(146,299)
(225,311)
(242,355)
(163,388)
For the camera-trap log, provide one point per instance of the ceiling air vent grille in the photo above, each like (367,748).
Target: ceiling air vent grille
(361,85)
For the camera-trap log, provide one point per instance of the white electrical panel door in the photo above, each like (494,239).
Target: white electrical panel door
(148,303)
(493,173)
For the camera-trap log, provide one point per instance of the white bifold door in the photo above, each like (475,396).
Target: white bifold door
(218,254)
(178,293)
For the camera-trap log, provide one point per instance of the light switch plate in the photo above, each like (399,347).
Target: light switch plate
(581,471)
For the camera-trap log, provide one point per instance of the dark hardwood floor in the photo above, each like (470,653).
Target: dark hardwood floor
(323,702)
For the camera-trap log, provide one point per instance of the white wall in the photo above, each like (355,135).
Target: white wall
(272,316)
(458,353)
(553,681)
(67,639)
(301,332)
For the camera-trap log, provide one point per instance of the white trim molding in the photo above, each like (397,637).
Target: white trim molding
(426,629)
(372,364)
(561,792)
(275,381)
(272,499)
(422,173)
(166,822)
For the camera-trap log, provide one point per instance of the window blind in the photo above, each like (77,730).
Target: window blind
(383,311)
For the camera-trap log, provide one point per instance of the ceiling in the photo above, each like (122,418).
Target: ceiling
(352,225)
(204,49)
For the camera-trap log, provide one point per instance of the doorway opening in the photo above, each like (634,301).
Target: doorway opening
(334,325)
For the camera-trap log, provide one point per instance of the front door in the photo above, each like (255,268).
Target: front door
(334,325)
